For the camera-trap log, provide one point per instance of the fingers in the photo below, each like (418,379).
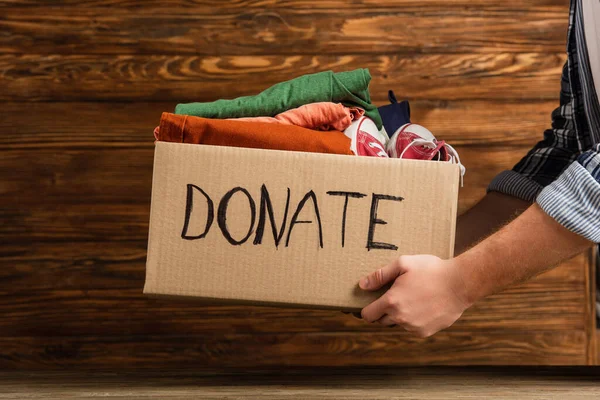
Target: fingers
(376,309)
(386,320)
(377,279)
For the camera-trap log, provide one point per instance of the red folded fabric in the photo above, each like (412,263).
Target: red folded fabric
(259,135)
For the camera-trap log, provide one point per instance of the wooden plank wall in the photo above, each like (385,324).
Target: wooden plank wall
(82,85)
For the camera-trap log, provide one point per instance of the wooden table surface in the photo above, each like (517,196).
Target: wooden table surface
(424,383)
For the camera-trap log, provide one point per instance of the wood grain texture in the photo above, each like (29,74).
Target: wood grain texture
(83,85)
(143,78)
(129,125)
(102,173)
(91,282)
(141,6)
(348,28)
(434,383)
(118,265)
(291,350)
(590,302)
(104,194)
(539,305)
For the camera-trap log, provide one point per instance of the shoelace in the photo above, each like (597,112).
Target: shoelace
(420,142)
(454,157)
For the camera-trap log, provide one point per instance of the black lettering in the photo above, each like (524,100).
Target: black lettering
(189,205)
(222,215)
(267,206)
(309,195)
(374,221)
(347,195)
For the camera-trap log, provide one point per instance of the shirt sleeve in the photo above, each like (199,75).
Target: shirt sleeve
(548,158)
(562,172)
(573,199)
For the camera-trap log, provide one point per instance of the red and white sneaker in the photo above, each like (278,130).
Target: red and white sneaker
(415,142)
(367,140)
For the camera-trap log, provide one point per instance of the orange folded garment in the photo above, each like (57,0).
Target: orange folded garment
(259,135)
(322,116)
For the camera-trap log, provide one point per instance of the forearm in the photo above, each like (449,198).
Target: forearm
(490,214)
(529,245)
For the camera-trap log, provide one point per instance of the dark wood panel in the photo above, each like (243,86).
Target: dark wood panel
(533,76)
(42,266)
(75,178)
(483,163)
(591,311)
(104,195)
(347,29)
(66,294)
(537,306)
(26,222)
(106,125)
(117,265)
(75,191)
(154,5)
(121,265)
(287,350)
(129,125)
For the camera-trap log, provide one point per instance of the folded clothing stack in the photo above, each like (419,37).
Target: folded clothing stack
(325,112)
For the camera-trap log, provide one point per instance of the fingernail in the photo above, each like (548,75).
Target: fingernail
(364,282)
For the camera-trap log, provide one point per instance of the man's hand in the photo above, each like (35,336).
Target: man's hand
(428,294)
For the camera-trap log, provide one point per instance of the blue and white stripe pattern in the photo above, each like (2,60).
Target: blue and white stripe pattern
(562,172)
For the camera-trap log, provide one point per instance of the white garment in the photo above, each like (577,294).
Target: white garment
(591,27)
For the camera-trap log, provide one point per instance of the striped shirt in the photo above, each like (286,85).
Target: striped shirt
(562,171)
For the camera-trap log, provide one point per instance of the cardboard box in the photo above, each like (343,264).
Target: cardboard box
(336,219)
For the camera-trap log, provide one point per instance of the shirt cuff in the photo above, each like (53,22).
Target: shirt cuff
(573,200)
(516,185)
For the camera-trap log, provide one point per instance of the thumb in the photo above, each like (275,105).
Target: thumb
(377,279)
